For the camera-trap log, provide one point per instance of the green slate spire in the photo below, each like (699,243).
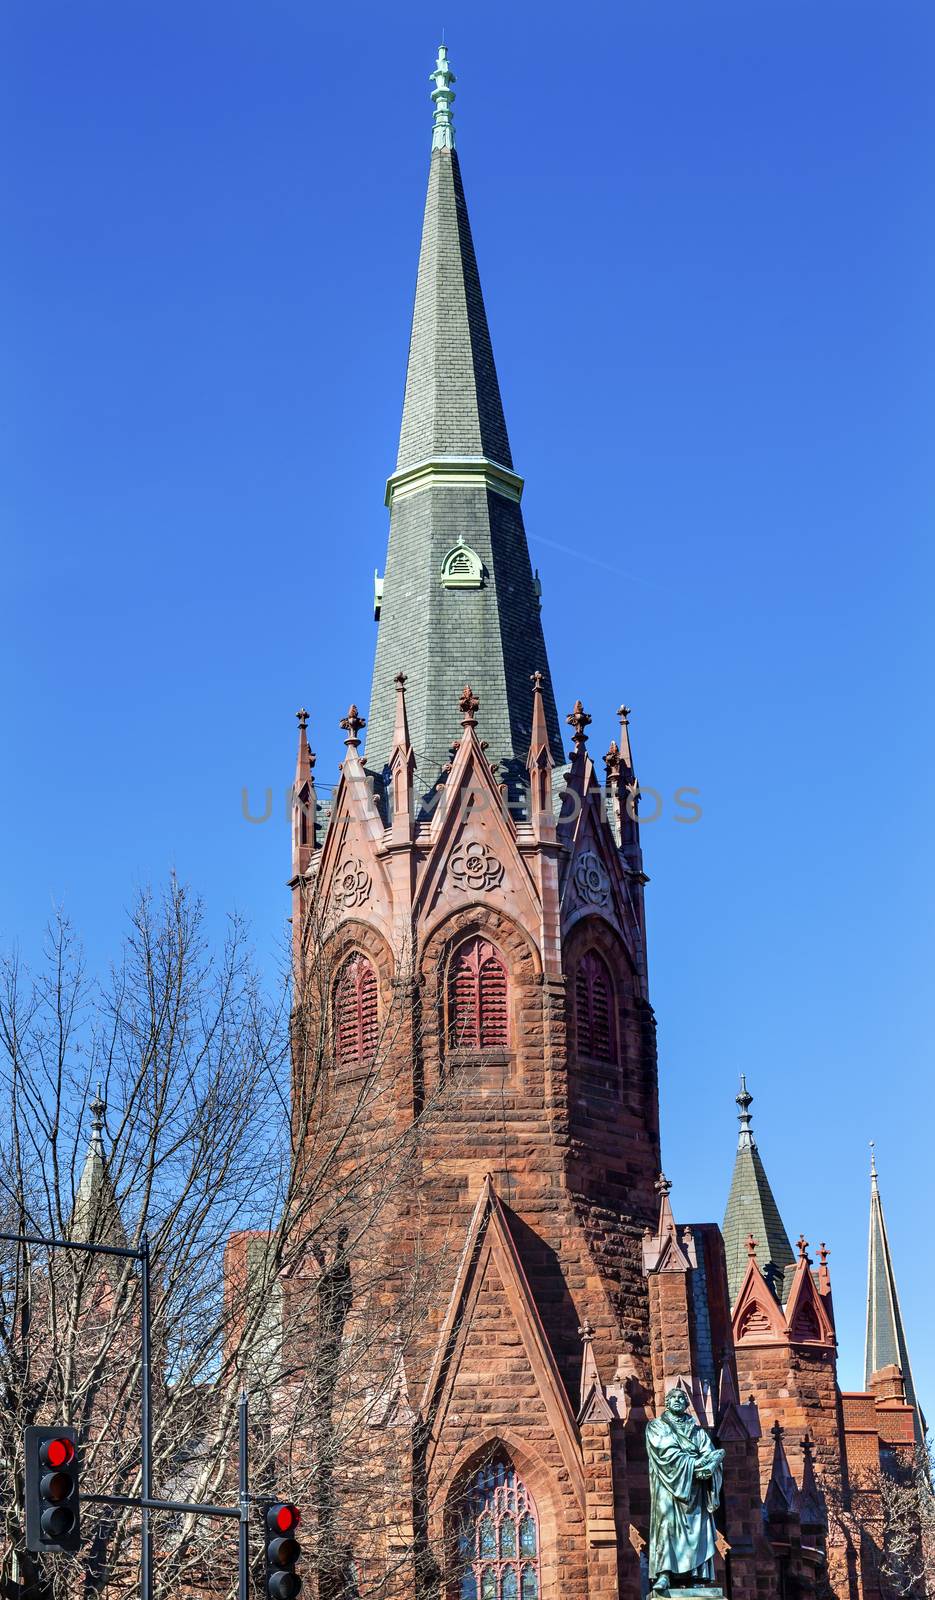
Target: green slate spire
(443,125)
(459,601)
(886,1337)
(752,1210)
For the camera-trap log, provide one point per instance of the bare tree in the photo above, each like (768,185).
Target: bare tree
(269,1185)
(907,1553)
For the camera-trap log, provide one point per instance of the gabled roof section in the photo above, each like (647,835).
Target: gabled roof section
(886,1336)
(752,1211)
(489,1239)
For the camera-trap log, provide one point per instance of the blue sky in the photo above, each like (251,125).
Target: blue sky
(705,236)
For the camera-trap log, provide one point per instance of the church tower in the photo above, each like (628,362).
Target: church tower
(475,901)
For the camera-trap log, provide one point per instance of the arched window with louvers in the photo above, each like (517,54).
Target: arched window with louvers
(594,1010)
(355,1013)
(478,998)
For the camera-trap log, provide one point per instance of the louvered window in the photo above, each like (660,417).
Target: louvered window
(478,1014)
(594,1009)
(355,1012)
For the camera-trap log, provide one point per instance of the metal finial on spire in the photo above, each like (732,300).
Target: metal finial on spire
(746,1140)
(873,1163)
(443,127)
(97,1109)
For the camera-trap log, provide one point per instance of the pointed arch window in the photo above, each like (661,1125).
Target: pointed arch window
(497,1537)
(478,999)
(355,1012)
(594,1009)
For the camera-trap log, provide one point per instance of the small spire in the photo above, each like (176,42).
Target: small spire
(443,126)
(401,728)
(663,1187)
(626,754)
(578,719)
(352,725)
(469,704)
(745,1140)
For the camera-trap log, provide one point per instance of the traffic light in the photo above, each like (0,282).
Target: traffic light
(53,1520)
(282,1552)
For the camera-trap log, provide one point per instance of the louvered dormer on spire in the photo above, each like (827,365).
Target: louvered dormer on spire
(460,602)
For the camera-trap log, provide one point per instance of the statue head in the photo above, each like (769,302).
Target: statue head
(677,1402)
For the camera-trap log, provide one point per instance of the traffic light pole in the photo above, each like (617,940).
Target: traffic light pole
(146,1427)
(243,1546)
(145,1500)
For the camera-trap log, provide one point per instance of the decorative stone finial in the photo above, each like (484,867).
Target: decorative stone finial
(352,725)
(302,718)
(777,1432)
(663,1185)
(612,761)
(578,719)
(823,1254)
(400,681)
(443,126)
(746,1140)
(586,1331)
(751,1247)
(469,704)
(802,1244)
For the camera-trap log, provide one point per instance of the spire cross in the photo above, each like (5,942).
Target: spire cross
(469,704)
(578,719)
(352,725)
(443,127)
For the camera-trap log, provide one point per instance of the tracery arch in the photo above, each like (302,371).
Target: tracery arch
(496,1536)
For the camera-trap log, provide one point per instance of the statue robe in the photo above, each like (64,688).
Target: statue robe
(681,1540)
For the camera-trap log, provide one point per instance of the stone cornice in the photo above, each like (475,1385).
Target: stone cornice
(465,471)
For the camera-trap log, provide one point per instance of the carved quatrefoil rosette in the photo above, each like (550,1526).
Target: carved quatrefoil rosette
(473,866)
(350,885)
(591,879)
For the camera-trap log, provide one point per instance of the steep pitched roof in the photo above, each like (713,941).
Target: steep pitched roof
(460,602)
(752,1210)
(886,1336)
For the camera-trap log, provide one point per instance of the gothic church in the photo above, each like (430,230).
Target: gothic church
(493,892)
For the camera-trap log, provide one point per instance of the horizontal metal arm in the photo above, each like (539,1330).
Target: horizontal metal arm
(145,1504)
(73,1244)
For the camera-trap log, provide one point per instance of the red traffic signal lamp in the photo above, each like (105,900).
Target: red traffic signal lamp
(53,1520)
(282,1551)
